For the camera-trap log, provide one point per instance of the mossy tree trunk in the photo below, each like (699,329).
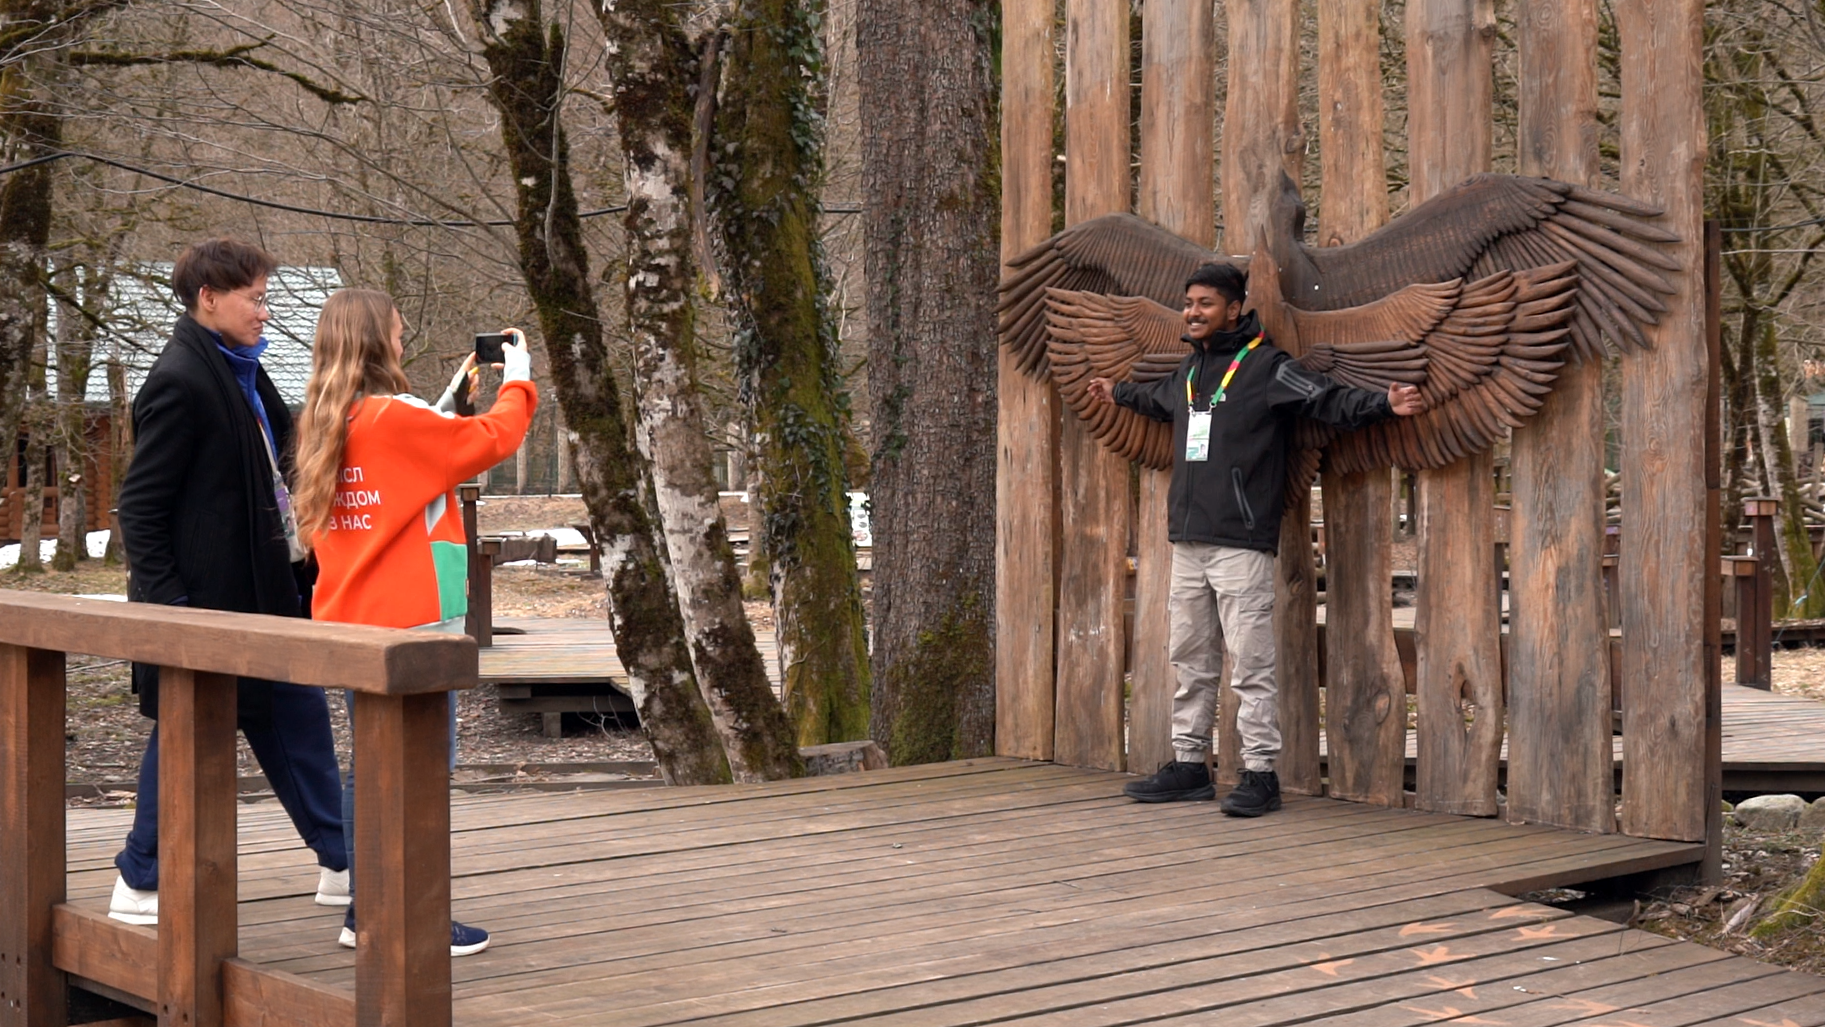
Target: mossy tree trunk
(930,171)
(654,66)
(767,150)
(649,637)
(37,425)
(1802,596)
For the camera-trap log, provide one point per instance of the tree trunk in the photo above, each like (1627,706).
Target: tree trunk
(37,423)
(75,353)
(930,170)
(768,148)
(653,66)
(120,449)
(649,636)
(27,130)
(1797,592)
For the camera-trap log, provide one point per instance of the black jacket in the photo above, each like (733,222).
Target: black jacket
(1235,497)
(197,514)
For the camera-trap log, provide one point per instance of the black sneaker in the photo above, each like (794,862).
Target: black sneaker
(1177,781)
(1258,793)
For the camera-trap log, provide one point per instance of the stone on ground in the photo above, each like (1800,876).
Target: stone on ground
(1770,812)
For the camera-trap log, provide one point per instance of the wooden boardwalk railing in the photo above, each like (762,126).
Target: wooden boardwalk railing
(188,965)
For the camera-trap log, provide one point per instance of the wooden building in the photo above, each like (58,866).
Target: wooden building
(144,311)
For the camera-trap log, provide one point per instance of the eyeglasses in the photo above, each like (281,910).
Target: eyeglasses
(258,301)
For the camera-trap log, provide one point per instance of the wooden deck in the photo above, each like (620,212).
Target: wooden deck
(1006,892)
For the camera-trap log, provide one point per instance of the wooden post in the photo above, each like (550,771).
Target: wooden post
(1457,626)
(481,590)
(1093,482)
(1365,688)
(1755,597)
(1178,109)
(1713,867)
(1560,761)
(1664,564)
(1026,476)
(196,844)
(402,840)
(31,834)
(1262,137)
(469,494)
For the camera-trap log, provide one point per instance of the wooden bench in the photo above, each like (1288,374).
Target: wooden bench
(187,966)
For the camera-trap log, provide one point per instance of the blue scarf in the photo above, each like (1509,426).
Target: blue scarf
(244,361)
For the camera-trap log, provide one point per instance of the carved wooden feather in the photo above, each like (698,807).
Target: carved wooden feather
(1484,356)
(1481,226)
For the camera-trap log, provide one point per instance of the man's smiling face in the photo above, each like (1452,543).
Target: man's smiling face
(1208,312)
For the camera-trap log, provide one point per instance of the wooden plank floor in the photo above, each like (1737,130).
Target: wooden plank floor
(573,650)
(997,891)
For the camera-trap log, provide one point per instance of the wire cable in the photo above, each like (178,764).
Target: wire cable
(370,219)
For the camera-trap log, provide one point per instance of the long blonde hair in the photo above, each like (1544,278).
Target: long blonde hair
(352,358)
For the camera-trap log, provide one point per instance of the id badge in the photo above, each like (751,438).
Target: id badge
(1197,436)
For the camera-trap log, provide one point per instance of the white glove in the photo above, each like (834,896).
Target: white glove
(447,402)
(517,366)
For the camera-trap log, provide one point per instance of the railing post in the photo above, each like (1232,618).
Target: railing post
(196,844)
(1753,637)
(402,844)
(469,494)
(481,590)
(31,834)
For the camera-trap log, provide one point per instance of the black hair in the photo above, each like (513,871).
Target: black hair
(1227,279)
(221,264)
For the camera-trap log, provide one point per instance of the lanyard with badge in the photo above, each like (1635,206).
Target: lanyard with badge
(1197,428)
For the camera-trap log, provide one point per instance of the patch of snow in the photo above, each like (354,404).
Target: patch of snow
(96,543)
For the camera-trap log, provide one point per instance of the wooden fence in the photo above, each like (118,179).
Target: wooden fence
(187,966)
(1065,518)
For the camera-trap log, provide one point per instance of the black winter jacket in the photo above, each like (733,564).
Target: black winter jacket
(197,514)
(1235,497)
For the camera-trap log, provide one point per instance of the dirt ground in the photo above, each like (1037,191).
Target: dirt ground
(1758,867)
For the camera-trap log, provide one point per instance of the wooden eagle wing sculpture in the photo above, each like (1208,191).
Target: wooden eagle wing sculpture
(1484,355)
(1483,225)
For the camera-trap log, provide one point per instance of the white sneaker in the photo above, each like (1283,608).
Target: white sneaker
(130,905)
(332,887)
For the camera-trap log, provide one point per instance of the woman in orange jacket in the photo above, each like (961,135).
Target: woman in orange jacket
(376,467)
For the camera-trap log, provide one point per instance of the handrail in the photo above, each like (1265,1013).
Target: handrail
(188,966)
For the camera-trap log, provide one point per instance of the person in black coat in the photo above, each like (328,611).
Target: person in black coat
(200,518)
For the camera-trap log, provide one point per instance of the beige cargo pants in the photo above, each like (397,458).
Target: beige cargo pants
(1223,598)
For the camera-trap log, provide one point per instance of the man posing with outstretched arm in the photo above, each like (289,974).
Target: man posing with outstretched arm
(1231,404)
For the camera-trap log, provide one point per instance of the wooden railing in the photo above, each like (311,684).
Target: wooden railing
(188,966)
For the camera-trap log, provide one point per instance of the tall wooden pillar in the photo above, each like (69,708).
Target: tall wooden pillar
(1026,478)
(1457,627)
(1178,107)
(1366,724)
(1559,751)
(1092,482)
(1261,138)
(1663,565)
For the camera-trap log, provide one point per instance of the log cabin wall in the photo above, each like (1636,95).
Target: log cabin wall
(98,468)
(1064,505)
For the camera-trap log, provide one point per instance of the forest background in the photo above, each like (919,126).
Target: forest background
(751,239)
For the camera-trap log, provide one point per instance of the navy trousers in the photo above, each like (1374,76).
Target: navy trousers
(296,751)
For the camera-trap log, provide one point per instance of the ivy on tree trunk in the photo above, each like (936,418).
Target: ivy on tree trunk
(931,190)
(526,89)
(653,65)
(767,154)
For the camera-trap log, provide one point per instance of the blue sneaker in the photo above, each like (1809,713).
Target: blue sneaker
(464,940)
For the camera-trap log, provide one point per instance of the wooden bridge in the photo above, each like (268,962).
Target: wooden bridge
(987,891)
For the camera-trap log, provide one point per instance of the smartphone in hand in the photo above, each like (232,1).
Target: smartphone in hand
(488,347)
